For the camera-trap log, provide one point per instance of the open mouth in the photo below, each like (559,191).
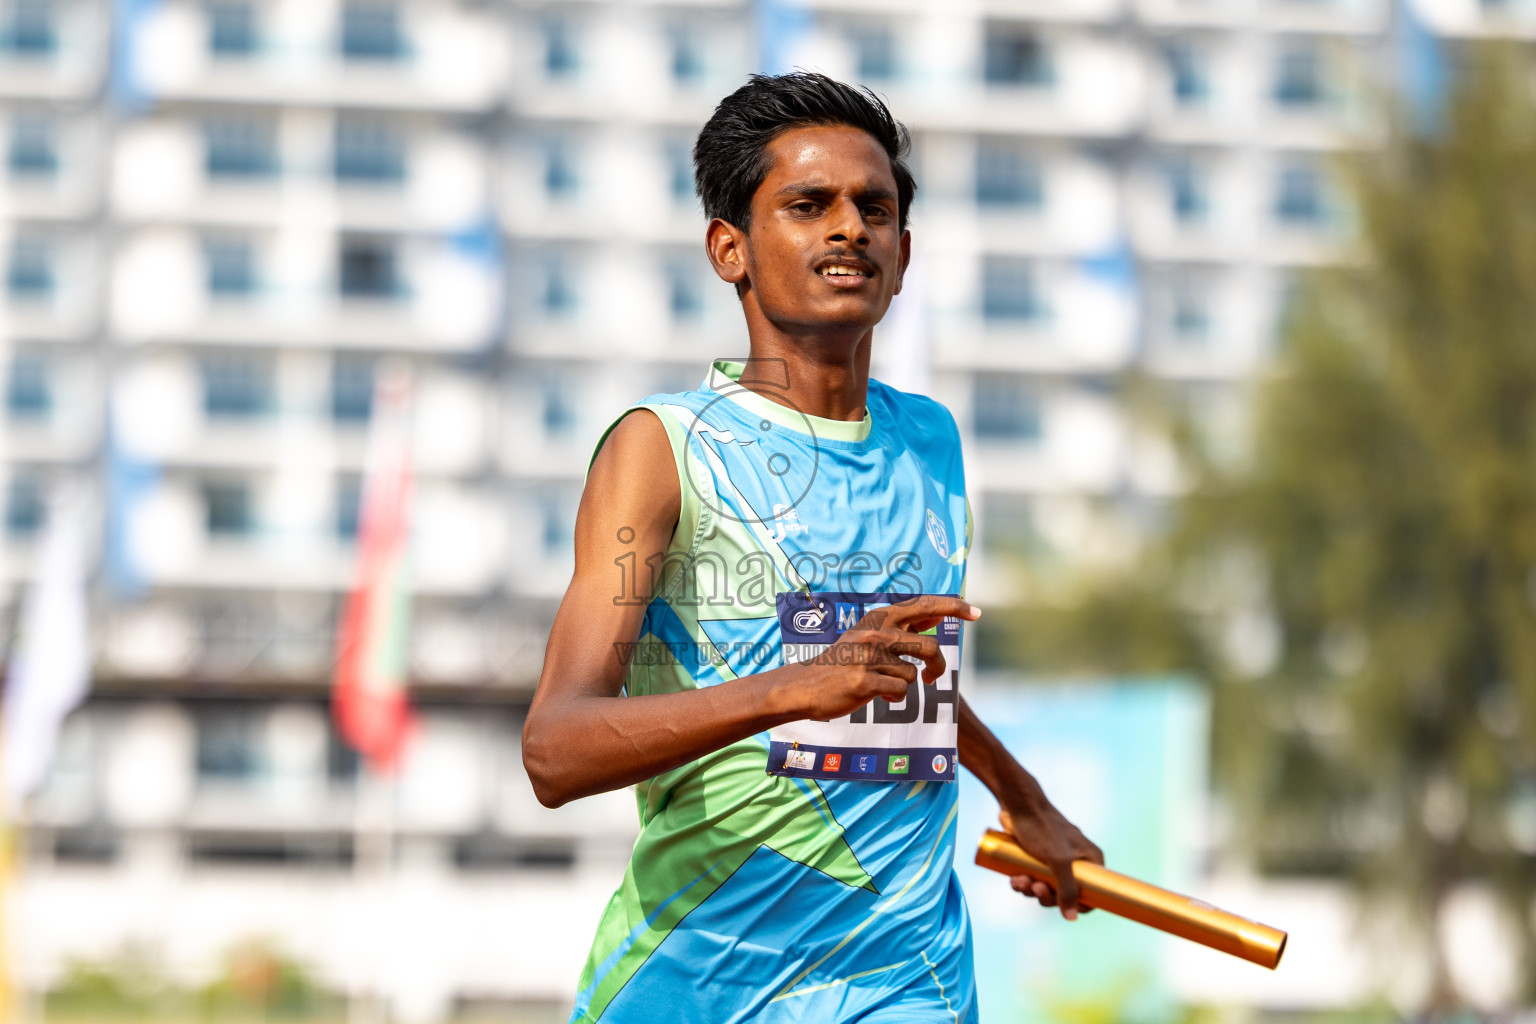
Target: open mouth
(845,273)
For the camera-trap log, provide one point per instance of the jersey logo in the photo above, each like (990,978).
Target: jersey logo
(786,522)
(937,535)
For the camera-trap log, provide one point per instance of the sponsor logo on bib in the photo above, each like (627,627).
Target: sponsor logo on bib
(864,763)
(937,535)
(832,763)
(810,621)
(805,760)
(900,764)
(940,763)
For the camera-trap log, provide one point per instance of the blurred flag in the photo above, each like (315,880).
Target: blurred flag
(50,669)
(370,703)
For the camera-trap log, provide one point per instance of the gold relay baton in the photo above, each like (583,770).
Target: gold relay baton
(1104,889)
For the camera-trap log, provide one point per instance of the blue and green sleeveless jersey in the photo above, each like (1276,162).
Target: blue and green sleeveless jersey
(753,896)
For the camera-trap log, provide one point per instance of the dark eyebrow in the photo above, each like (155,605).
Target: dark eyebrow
(816,190)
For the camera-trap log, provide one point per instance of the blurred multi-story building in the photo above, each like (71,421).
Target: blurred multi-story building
(220,219)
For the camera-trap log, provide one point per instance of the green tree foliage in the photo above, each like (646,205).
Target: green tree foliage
(1381,527)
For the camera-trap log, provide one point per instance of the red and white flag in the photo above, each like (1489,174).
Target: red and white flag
(372,711)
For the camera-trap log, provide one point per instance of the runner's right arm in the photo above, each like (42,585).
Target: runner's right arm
(583,737)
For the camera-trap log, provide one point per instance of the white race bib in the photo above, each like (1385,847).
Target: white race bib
(908,741)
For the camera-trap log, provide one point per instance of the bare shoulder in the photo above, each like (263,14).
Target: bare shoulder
(633,482)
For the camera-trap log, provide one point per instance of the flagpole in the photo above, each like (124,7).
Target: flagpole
(370,704)
(373,846)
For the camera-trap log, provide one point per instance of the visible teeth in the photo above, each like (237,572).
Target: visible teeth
(841,271)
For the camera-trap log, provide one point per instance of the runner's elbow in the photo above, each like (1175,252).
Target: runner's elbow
(542,763)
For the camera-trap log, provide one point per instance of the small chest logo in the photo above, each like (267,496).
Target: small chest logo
(940,764)
(937,535)
(787,523)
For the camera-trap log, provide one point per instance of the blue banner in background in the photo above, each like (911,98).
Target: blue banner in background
(1126,761)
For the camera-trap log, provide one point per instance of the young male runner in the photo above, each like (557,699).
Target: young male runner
(741,638)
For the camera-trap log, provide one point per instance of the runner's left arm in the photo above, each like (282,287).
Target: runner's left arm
(1035,822)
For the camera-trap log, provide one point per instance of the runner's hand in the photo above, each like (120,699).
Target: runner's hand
(870,659)
(1055,840)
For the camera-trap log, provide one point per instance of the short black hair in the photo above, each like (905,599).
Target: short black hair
(730,158)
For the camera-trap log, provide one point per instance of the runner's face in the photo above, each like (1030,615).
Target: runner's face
(825,249)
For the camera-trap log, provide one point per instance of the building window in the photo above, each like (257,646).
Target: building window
(31,31)
(560,57)
(679,158)
(1188,191)
(560,178)
(227,509)
(685,290)
(351,389)
(1015,57)
(1299,198)
(239,148)
(1009,525)
(368,150)
(1189,313)
(367,269)
(874,54)
(1006,177)
(29,277)
(1188,73)
(558,526)
(32,151)
(28,388)
(231,29)
(1009,290)
(1004,409)
(25,506)
(236,386)
(229,745)
(559,405)
(558,295)
(687,57)
(231,268)
(349,508)
(371,32)
(1299,76)
(342,762)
